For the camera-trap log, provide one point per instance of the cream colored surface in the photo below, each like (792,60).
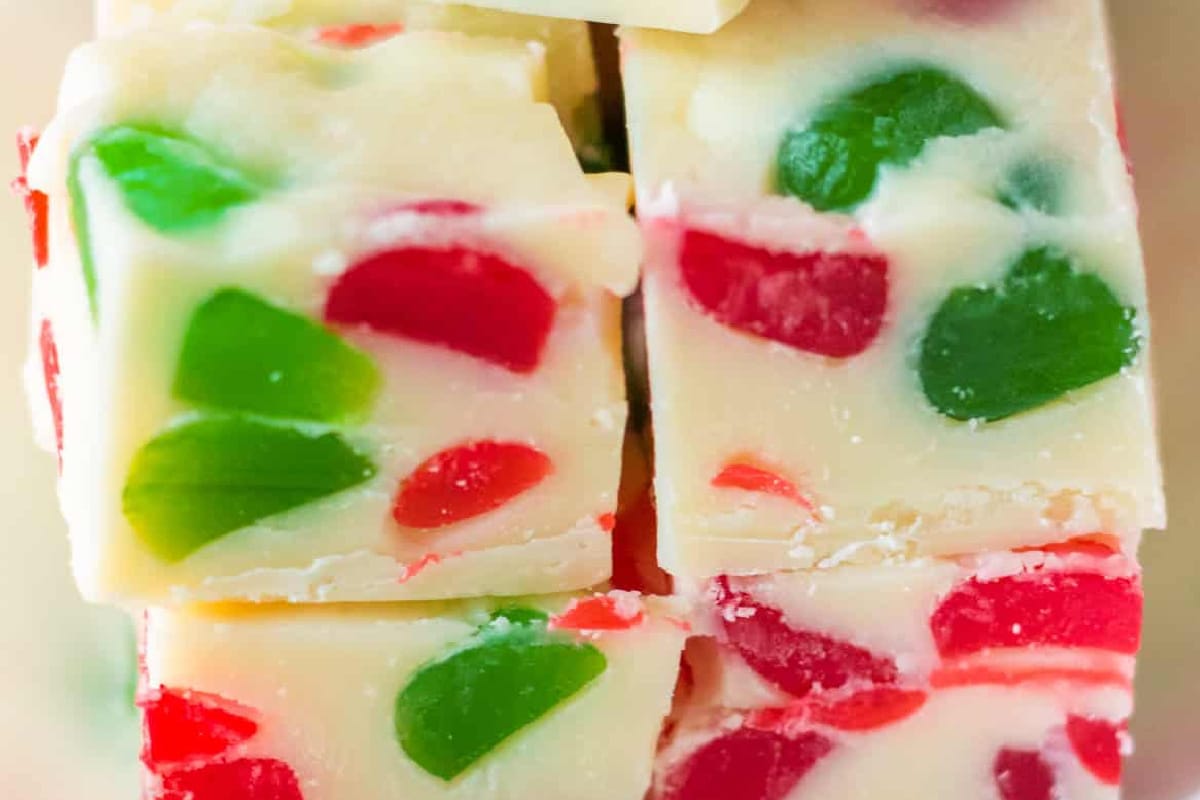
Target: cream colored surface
(572,71)
(695,16)
(889,475)
(40,758)
(326,686)
(116,379)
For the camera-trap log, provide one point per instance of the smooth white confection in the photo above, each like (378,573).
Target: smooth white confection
(861,462)
(351,175)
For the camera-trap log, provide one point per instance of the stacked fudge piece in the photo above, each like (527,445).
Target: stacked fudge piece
(328,339)
(321,325)
(897,336)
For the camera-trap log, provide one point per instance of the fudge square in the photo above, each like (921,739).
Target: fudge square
(1003,676)
(323,325)
(570,64)
(559,697)
(894,294)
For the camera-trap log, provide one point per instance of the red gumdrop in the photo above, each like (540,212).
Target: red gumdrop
(746,764)
(180,725)
(242,779)
(37,204)
(604,612)
(751,478)
(1097,744)
(357,35)
(472,302)
(1023,775)
(50,374)
(869,709)
(831,304)
(1062,609)
(468,480)
(794,660)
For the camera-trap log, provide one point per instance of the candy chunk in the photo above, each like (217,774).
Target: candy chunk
(833,162)
(571,70)
(459,708)
(466,481)
(180,726)
(243,354)
(468,301)
(894,252)
(462,700)
(1049,328)
(200,481)
(325,367)
(854,657)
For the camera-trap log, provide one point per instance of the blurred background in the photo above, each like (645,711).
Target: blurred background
(67,726)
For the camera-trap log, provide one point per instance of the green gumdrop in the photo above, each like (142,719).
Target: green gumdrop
(834,162)
(241,353)
(1048,328)
(172,183)
(1035,184)
(459,708)
(197,482)
(520,615)
(593,149)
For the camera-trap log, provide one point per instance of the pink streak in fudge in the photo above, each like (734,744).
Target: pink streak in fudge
(50,375)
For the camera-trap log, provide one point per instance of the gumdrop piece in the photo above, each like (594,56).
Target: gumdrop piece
(197,482)
(459,708)
(1060,609)
(466,481)
(834,162)
(798,662)
(182,725)
(474,303)
(169,181)
(869,709)
(50,374)
(241,779)
(1049,328)
(37,204)
(1023,775)
(1097,744)
(746,764)
(604,612)
(751,478)
(1035,184)
(240,353)
(354,36)
(831,304)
